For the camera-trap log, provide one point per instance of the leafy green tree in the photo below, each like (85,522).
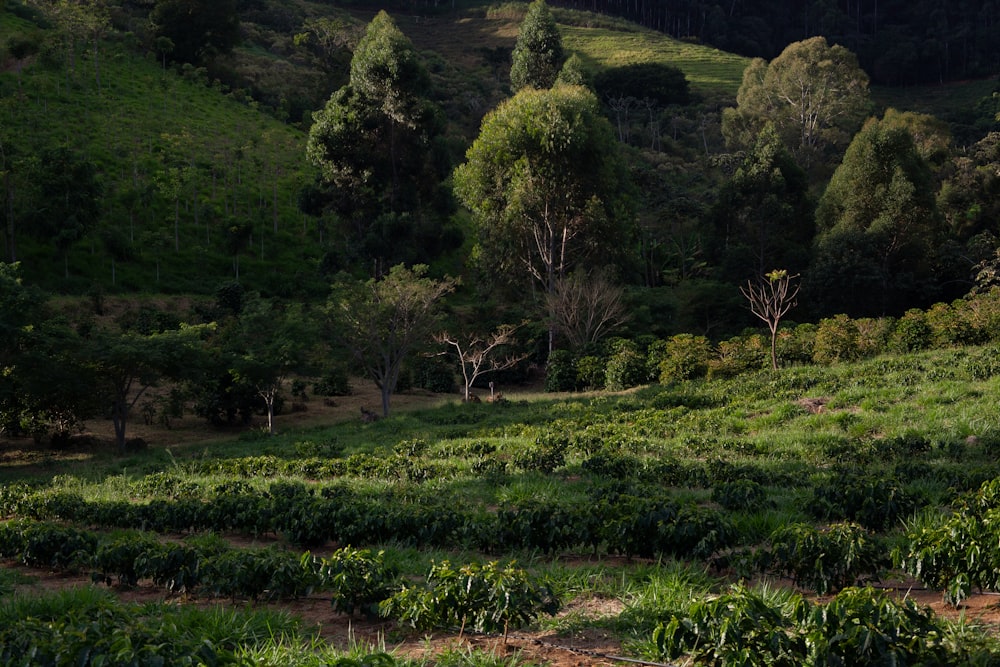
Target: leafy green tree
(547,188)
(375,144)
(538,54)
(382,321)
(127,364)
(878,210)
(815,94)
(764,214)
(199,29)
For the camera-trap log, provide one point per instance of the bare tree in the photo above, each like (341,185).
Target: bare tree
(770,299)
(586,307)
(477,354)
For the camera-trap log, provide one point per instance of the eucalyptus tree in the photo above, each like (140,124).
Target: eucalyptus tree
(538,53)
(376,146)
(815,94)
(547,188)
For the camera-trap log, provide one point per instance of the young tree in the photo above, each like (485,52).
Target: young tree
(477,355)
(770,300)
(815,94)
(538,54)
(273,342)
(547,188)
(381,322)
(586,307)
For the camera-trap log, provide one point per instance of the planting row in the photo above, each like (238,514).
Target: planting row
(632,525)
(860,626)
(487,597)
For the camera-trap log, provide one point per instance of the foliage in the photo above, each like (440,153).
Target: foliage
(358,579)
(381,322)
(485,598)
(860,626)
(374,145)
(545,184)
(876,503)
(560,371)
(626,368)
(815,94)
(538,53)
(824,560)
(880,206)
(953,552)
(679,358)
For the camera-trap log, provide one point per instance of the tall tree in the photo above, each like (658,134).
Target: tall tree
(547,188)
(381,322)
(375,145)
(538,53)
(815,94)
(764,214)
(879,206)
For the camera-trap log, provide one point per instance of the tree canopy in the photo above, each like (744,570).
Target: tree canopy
(815,94)
(538,54)
(547,187)
(879,208)
(376,146)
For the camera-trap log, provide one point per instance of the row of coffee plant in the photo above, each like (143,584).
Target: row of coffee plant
(858,627)
(485,597)
(620,364)
(632,525)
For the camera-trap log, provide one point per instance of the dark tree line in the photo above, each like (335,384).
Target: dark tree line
(896,41)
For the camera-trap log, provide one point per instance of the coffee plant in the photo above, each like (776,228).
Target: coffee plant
(485,598)
(358,579)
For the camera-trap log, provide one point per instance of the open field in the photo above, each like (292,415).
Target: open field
(629,507)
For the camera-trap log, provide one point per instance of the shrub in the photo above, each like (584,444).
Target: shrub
(358,579)
(795,346)
(626,367)
(486,598)
(683,357)
(827,559)
(590,372)
(877,504)
(560,371)
(873,335)
(333,383)
(950,325)
(739,355)
(836,340)
(912,332)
